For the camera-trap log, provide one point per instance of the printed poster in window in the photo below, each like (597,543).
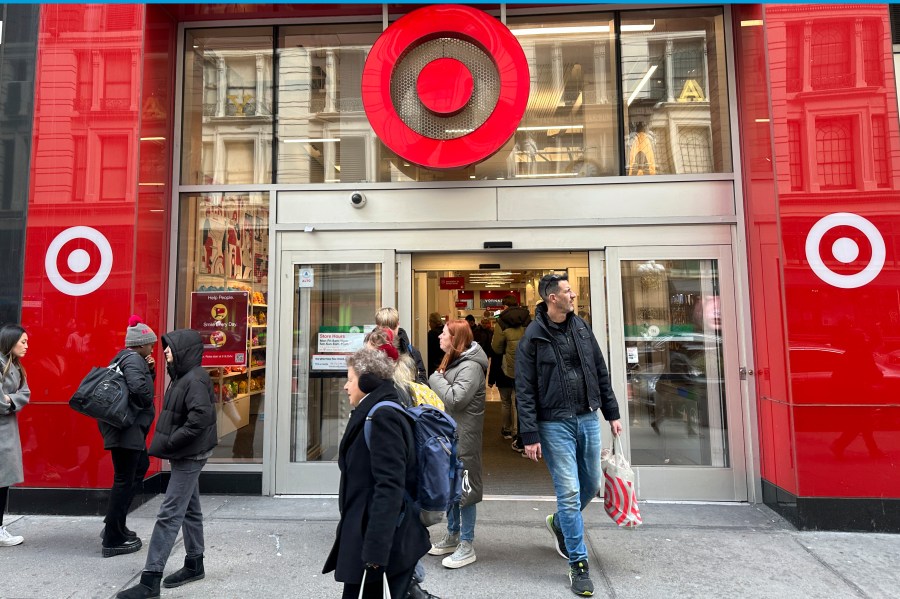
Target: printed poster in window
(211,252)
(221,319)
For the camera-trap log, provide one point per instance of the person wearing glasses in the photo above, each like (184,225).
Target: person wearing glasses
(561,383)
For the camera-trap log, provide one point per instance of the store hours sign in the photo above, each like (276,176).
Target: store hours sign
(221,319)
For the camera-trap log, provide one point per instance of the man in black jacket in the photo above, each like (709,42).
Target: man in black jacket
(561,382)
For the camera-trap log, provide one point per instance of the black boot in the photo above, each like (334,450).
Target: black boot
(417,592)
(193,570)
(147,588)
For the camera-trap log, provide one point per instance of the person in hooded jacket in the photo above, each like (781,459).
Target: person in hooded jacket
(459,382)
(508,332)
(128,446)
(379,534)
(185,435)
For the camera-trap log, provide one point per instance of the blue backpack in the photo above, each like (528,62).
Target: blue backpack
(439,469)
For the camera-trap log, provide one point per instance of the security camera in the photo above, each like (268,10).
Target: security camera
(357,199)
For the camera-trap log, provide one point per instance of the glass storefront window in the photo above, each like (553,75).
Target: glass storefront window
(675,92)
(570,126)
(330,322)
(673,348)
(223,246)
(227,117)
(323,133)
(672,74)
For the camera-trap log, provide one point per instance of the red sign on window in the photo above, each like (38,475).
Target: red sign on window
(453,282)
(221,319)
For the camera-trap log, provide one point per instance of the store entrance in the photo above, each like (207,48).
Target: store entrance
(473,286)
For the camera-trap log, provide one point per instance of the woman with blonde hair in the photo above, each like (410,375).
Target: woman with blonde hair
(459,382)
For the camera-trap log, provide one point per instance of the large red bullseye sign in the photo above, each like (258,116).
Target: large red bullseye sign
(445,86)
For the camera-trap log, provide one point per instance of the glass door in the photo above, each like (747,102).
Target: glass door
(328,304)
(674,361)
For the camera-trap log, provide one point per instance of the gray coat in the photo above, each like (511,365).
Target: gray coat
(10,445)
(461,389)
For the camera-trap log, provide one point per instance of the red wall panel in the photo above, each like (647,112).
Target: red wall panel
(833,123)
(86,222)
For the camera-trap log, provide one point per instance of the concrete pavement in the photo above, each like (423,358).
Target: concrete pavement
(275,547)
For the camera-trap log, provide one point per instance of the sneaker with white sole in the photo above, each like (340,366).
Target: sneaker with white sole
(558,538)
(463,556)
(447,544)
(8,540)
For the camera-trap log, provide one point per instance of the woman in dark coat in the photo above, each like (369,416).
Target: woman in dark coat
(379,532)
(128,446)
(185,435)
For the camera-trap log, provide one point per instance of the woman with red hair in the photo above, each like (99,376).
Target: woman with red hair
(459,382)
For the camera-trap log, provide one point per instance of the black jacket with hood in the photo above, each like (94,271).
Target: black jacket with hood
(407,348)
(139,380)
(186,426)
(541,390)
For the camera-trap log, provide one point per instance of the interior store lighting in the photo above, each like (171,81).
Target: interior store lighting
(752,23)
(319,140)
(550,127)
(641,84)
(153,139)
(572,30)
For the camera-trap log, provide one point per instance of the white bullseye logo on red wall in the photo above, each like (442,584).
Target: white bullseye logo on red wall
(445,86)
(838,231)
(83,250)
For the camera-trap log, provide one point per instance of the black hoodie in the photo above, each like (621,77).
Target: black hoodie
(186,427)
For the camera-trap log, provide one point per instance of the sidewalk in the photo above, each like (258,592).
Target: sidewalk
(275,547)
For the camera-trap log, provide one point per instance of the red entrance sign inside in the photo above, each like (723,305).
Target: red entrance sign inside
(454,23)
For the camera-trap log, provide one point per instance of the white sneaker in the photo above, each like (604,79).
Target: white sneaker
(463,556)
(8,540)
(447,544)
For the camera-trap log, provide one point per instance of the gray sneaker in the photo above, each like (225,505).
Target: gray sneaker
(447,544)
(463,556)
(580,580)
(558,539)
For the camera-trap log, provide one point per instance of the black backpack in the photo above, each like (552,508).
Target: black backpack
(103,394)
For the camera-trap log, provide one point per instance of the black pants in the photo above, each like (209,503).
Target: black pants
(130,466)
(4,495)
(397,584)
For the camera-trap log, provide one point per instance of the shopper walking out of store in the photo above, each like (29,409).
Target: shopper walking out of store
(508,331)
(185,435)
(459,382)
(128,446)
(14,395)
(389,318)
(561,382)
(377,537)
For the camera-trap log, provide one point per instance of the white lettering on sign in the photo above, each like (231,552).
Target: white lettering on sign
(336,343)
(326,362)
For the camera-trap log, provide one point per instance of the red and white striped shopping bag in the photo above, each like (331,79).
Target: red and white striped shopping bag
(619,496)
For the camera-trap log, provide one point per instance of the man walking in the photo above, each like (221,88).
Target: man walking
(508,332)
(561,382)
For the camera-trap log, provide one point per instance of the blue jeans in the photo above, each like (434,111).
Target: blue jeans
(571,448)
(462,520)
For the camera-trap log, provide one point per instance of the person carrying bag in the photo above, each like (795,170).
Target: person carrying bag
(127,443)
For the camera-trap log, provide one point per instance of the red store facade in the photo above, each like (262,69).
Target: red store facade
(722,183)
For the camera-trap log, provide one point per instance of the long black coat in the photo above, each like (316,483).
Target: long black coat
(187,424)
(377,524)
(139,379)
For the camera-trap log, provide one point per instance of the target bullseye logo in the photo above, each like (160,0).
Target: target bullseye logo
(445,86)
(845,250)
(78,260)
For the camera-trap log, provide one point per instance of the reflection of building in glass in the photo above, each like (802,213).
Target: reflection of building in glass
(673,103)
